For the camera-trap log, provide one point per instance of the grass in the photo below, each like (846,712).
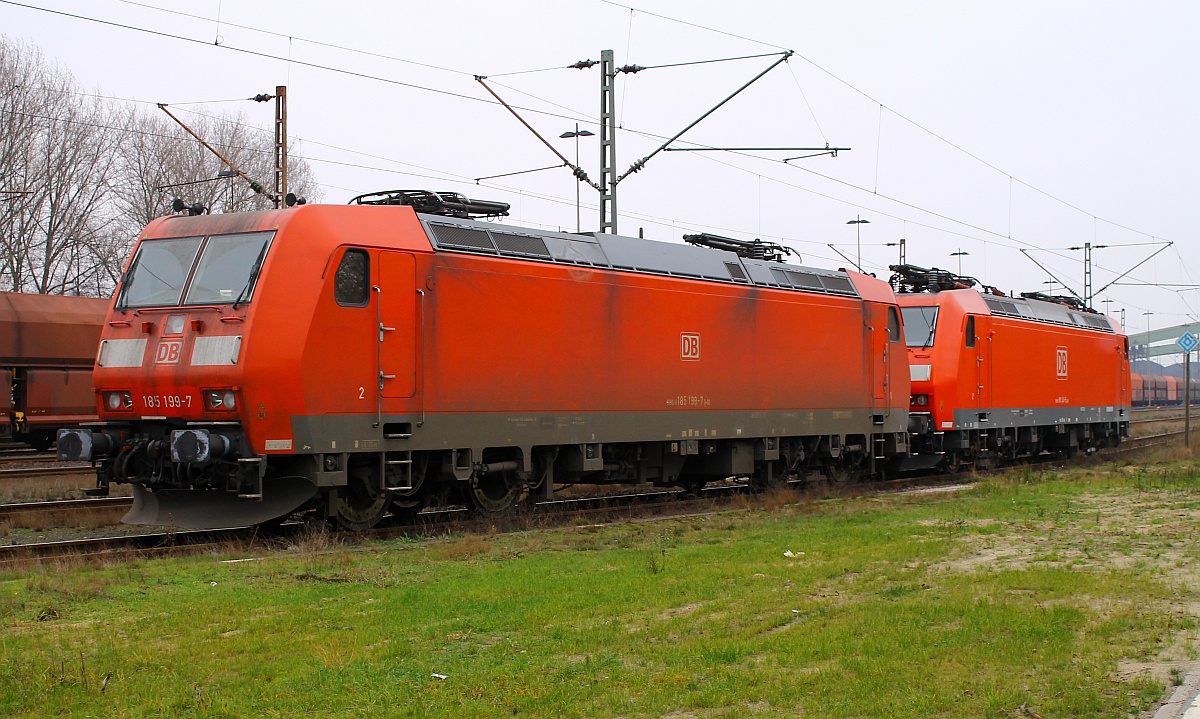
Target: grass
(1071,594)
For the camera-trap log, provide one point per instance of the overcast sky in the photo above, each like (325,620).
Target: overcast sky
(975,127)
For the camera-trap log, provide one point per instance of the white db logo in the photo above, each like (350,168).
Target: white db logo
(689,346)
(1062,362)
(168,352)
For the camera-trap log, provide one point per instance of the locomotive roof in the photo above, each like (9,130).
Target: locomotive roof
(631,254)
(1052,312)
(1021,308)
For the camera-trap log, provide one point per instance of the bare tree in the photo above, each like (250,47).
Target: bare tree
(56,160)
(160,161)
(80,177)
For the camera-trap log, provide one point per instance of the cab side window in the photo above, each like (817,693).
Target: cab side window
(970,334)
(893,325)
(352,282)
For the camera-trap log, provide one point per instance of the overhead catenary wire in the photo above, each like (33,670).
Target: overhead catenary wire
(692,24)
(332,46)
(271,56)
(608,2)
(451,177)
(887,107)
(659,219)
(483,100)
(888,198)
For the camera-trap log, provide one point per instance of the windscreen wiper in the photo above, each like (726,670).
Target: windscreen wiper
(253,275)
(929,337)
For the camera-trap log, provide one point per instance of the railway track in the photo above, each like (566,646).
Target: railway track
(432,522)
(25,472)
(30,456)
(62,506)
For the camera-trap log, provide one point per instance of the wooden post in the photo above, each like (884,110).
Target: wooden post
(1187,399)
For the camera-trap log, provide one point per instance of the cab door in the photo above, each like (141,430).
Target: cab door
(398,341)
(880,359)
(977,339)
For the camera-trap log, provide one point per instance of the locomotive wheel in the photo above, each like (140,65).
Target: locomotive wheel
(494,493)
(359,508)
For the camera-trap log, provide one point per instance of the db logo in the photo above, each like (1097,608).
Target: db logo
(1062,362)
(689,346)
(168,351)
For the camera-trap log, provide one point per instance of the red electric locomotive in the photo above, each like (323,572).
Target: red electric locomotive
(997,377)
(47,347)
(359,359)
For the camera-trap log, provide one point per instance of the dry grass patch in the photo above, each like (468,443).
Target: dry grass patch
(461,548)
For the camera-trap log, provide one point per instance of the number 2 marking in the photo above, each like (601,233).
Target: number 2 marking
(362,392)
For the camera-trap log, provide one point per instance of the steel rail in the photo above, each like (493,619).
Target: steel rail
(45,471)
(626,507)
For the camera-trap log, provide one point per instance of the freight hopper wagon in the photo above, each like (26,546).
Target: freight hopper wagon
(996,377)
(47,347)
(362,359)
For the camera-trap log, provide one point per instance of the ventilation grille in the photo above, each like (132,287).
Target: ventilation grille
(1027,312)
(813,283)
(804,280)
(468,237)
(840,285)
(635,255)
(520,244)
(1004,308)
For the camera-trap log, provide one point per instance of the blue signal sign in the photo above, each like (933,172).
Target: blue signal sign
(1188,341)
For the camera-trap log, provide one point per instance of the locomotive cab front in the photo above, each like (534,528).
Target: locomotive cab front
(169,378)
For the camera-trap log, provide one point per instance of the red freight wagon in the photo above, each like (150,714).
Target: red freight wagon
(356,358)
(1173,394)
(997,377)
(1158,389)
(47,347)
(1139,390)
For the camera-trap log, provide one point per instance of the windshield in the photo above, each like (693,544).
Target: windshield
(159,271)
(223,269)
(919,325)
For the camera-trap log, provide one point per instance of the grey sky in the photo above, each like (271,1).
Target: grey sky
(1080,118)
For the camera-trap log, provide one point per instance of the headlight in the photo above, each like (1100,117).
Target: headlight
(920,400)
(116,401)
(221,400)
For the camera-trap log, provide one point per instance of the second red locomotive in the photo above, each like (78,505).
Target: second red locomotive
(996,377)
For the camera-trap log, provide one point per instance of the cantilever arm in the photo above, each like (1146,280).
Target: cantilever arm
(1056,277)
(579,173)
(1131,269)
(642,162)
